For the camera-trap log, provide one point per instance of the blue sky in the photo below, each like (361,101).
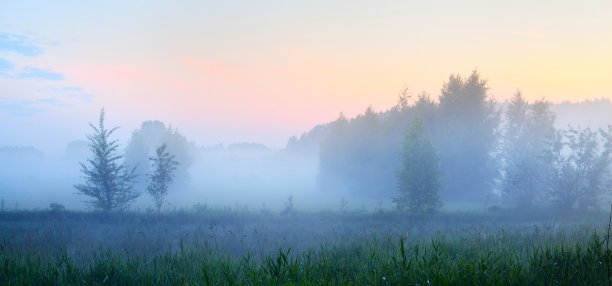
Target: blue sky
(35,89)
(13,43)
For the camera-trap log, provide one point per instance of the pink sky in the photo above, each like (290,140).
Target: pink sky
(226,72)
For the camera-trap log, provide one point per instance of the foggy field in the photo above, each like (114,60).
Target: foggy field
(305,142)
(202,246)
(424,193)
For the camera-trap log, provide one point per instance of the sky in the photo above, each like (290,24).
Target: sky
(261,71)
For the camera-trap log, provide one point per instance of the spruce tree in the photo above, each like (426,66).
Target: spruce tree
(419,180)
(108,182)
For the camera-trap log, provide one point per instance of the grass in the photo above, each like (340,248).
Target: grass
(332,249)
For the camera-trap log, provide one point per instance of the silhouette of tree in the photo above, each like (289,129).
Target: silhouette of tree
(144,142)
(528,132)
(419,179)
(108,183)
(467,139)
(163,165)
(580,167)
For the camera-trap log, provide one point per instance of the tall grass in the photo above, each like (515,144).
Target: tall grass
(497,260)
(229,248)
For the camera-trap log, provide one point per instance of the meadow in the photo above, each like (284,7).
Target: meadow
(204,246)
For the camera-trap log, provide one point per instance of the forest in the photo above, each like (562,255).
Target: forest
(486,153)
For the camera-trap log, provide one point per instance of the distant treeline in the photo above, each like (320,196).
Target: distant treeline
(488,152)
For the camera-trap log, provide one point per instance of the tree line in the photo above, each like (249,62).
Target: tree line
(464,147)
(461,147)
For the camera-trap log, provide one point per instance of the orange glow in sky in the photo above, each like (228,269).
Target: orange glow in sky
(246,71)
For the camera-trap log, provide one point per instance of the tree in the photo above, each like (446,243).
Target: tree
(467,139)
(144,142)
(528,132)
(419,180)
(354,156)
(163,165)
(332,154)
(580,167)
(425,108)
(108,183)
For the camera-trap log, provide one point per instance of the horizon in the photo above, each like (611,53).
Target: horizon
(125,134)
(246,72)
(305,142)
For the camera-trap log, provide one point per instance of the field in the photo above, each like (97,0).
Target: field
(204,246)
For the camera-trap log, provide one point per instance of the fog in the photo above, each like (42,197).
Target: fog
(454,188)
(305,142)
(349,163)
